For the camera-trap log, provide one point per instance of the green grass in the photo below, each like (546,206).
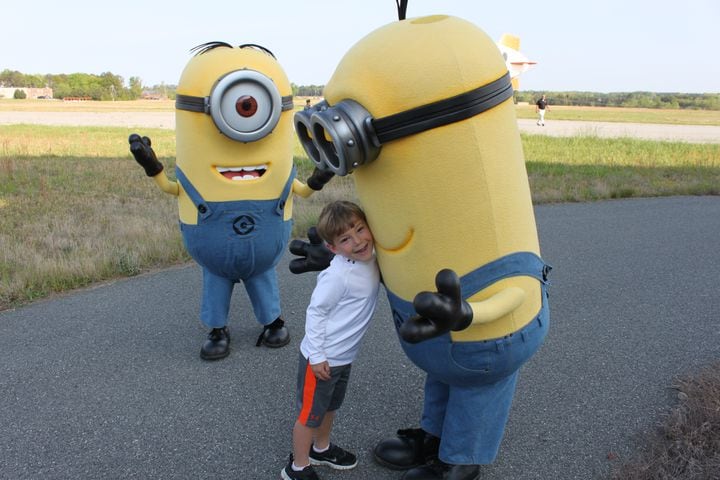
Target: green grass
(578,169)
(76,209)
(632,115)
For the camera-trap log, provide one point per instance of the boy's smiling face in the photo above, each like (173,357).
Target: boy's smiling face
(355,243)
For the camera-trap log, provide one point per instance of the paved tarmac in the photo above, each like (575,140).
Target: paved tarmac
(555,128)
(106,383)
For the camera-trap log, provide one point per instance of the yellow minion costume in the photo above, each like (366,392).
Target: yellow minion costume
(421,112)
(235,180)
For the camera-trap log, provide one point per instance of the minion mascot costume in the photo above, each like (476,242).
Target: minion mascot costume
(235,180)
(421,112)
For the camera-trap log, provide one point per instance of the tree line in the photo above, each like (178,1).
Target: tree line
(108,86)
(105,86)
(694,101)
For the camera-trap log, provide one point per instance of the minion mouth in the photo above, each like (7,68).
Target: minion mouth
(249,172)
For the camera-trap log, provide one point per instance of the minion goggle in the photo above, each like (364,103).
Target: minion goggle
(342,137)
(245,105)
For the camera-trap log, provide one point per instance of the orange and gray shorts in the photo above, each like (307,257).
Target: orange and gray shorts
(316,397)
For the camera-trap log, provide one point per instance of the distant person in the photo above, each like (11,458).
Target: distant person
(338,316)
(308,106)
(540,107)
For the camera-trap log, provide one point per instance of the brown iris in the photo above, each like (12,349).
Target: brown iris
(246,106)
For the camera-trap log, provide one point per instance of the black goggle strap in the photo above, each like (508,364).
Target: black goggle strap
(443,112)
(202,104)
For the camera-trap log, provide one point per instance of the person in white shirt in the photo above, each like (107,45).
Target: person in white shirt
(338,316)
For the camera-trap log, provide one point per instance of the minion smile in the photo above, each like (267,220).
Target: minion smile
(409,236)
(249,172)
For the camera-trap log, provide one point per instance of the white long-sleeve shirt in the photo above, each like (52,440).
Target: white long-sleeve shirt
(340,309)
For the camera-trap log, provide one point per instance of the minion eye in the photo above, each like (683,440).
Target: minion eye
(245,105)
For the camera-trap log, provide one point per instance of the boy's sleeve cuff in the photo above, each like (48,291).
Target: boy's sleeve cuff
(317,358)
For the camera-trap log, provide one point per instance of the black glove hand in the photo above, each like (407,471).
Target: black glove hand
(438,312)
(316,256)
(144,154)
(319,178)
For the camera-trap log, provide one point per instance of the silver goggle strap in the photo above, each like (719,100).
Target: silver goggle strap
(344,136)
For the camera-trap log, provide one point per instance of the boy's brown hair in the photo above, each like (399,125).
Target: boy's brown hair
(336,217)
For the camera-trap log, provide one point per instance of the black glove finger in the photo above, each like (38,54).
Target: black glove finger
(138,151)
(448,283)
(433,305)
(314,237)
(319,178)
(299,265)
(417,329)
(299,247)
(325,175)
(144,154)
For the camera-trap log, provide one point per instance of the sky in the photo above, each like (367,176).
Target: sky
(610,46)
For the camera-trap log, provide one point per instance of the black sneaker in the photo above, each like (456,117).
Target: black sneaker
(334,457)
(307,473)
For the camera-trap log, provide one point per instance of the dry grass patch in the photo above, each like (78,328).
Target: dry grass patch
(57,105)
(68,222)
(687,445)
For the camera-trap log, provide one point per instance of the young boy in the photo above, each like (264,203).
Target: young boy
(342,303)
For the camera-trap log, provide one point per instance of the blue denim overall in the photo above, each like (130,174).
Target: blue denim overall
(233,241)
(470,385)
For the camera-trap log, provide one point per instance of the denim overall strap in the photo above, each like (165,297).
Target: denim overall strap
(280,207)
(512,265)
(202,206)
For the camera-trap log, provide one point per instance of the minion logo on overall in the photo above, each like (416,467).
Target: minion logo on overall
(421,112)
(235,180)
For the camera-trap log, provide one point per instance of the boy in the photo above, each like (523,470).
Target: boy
(340,308)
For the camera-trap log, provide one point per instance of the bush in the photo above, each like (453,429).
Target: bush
(19,94)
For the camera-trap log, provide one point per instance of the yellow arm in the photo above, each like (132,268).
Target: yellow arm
(497,306)
(166,185)
(302,189)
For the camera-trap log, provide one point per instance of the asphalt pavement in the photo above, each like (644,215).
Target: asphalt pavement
(106,383)
(553,128)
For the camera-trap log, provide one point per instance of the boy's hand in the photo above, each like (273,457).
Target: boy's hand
(439,312)
(321,370)
(315,256)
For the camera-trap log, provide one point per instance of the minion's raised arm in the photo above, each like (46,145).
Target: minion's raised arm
(141,149)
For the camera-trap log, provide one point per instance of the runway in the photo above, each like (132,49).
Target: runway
(107,383)
(166,120)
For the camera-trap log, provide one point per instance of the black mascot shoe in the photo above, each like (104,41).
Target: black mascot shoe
(411,447)
(217,345)
(439,470)
(274,335)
